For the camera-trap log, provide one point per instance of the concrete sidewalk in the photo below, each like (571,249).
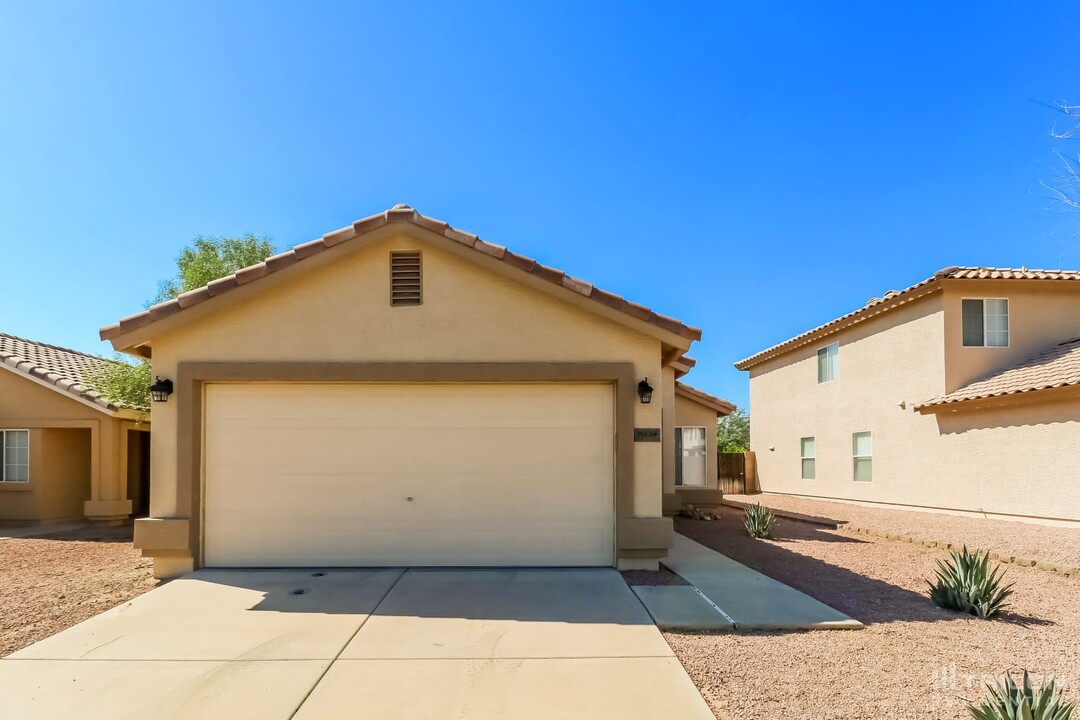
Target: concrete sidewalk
(361,644)
(727,595)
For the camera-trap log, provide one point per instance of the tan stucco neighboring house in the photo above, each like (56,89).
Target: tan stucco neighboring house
(65,453)
(400,392)
(960,393)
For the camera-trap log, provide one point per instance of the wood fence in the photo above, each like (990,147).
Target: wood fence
(731,468)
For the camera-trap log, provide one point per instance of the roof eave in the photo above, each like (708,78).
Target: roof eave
(100,405)
(916,292)
(1041,394)
(133,330)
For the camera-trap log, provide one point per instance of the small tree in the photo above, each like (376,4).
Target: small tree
(210,258)
(127,384)
(122,383)
(733,432)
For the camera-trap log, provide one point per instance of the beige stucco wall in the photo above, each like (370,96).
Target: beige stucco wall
(340,311)
(897,357)
(1041,314)
(76,467)
(1013,460)
(689,413)
(667,400)
(1017,459)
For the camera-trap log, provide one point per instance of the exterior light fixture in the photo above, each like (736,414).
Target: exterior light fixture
(644,391)
(161,389)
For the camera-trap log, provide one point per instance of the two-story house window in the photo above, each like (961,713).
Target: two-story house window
(862,455)
(986,322)
(807,448)
(828,363)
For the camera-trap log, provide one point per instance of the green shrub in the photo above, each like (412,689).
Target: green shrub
(967,584)
(1007,701)
(758,520)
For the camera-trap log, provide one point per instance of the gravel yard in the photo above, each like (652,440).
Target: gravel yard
(663,576)
(1059,545)
(913,660)
(53,582)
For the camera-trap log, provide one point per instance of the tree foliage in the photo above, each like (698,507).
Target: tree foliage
(122,383)
(127,384)
(210,258)
(733,432)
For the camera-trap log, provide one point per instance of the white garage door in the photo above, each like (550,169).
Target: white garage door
(375,475)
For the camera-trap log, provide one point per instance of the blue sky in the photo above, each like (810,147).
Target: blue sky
(754,170)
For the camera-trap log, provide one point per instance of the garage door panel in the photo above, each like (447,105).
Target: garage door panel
(489,406)
(313,475)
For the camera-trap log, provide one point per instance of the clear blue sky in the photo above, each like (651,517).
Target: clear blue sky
(752,170)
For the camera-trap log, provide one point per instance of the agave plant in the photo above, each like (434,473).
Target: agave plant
(1008,701)
(967,584)
(758,520)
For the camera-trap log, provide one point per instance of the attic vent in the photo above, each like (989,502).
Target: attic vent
(405,279)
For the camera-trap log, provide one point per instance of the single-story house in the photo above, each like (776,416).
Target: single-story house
(401,392)
(65,453)
(959,393)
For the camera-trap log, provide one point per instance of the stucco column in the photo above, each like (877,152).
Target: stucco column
(108,503)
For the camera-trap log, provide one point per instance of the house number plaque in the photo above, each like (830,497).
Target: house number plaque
(646,434)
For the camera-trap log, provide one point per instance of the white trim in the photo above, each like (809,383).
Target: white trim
(54,388)
(3,456)
(678,457)
(1008,316)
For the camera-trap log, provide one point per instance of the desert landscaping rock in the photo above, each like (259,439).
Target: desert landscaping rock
(663,576)
(1025,542)
(913,660)
(48,584)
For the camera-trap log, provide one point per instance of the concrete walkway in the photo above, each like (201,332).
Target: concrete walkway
(729,596)
(361,644)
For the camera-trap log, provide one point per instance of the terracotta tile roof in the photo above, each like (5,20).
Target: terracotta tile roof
(398,214)
(1056,367)
(896,298)
(60,367)
(722,407)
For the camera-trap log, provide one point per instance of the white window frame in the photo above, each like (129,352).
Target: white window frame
(836,364)
(678,458)
(855,458)
(803,458)
(3,456)
(1008,319)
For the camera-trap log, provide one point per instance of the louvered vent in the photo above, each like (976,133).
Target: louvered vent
(405,279)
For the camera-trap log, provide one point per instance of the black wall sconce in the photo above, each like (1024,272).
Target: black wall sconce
(161,389)
(644,391)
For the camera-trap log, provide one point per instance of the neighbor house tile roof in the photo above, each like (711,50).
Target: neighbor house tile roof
(1056,367)
(723,407)
(896,298)
(398,214)
(64,369)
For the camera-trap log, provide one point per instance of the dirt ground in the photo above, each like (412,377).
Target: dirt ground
(913,660)
(1058,545)
(50,583)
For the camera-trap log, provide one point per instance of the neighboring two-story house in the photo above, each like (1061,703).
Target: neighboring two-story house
(959,393)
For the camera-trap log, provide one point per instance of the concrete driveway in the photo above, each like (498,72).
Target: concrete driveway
(361,644)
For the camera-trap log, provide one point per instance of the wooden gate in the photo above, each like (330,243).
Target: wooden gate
(731,468)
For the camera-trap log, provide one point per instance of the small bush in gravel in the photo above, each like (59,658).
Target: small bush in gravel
(1008,701)
(758,520)
(966,583)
